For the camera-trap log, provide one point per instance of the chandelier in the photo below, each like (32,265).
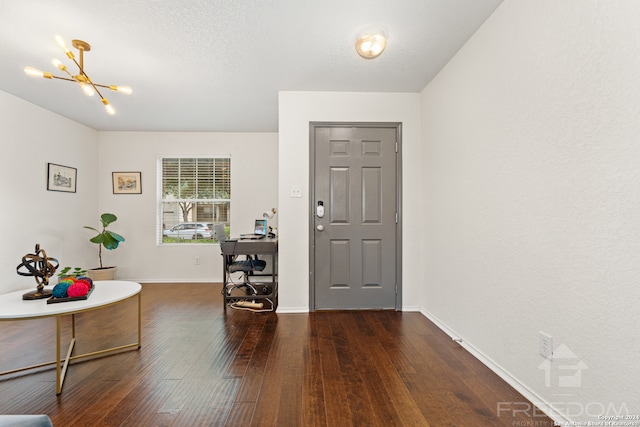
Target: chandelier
(82,79)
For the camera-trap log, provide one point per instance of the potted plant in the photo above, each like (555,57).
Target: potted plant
(72,272)
(110,241)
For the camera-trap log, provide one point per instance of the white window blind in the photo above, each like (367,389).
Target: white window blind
(195,191)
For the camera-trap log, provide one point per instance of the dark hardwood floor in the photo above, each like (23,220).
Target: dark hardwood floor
(201,367)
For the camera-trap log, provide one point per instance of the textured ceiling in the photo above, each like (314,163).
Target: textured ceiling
(217,65)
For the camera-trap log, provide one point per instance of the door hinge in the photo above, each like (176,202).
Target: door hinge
(396,217)
(396,146)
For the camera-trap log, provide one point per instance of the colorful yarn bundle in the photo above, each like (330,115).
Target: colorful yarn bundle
(72,287)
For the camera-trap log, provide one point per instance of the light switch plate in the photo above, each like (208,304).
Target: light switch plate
(296,191)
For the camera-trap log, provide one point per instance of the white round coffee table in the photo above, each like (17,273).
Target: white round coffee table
(105,293)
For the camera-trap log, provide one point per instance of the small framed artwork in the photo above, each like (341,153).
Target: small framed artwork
(61,178)
(127,182)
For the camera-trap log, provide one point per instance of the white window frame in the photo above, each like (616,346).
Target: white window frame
(159,194)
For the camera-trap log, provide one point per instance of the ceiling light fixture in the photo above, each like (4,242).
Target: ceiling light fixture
(86,84)
(371,44)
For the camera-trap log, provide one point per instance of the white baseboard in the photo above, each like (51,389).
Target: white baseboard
(521,388)
(212,281)
(292,310)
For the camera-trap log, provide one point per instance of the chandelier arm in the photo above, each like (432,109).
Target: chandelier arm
(94,86)
(88,78)
(99,85)
(68,73)
(63,78)
(82,72)
(78,65)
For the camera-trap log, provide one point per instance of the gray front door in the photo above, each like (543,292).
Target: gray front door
(354,243)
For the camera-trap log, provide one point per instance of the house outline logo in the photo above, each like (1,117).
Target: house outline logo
(568,373)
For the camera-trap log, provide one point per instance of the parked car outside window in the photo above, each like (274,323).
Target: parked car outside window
(189,230)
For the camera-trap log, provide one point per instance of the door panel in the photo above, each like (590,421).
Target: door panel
(371,263)
(355,241)
(340,252)
(371,196)
(339,196)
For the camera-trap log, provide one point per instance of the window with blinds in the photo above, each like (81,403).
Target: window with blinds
(194,194)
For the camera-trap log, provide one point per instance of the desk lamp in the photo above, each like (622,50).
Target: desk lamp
(268,215)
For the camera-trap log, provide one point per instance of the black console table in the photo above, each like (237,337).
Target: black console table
(266,246)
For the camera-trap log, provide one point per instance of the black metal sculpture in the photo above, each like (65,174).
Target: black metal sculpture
(40,266)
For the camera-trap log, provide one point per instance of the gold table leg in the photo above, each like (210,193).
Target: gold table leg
(61,372)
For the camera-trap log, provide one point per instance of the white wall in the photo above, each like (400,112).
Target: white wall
(254,172)
(531,195)
(31,138)
(296,110)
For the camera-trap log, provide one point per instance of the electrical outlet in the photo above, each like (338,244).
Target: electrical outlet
(546,346)
(197,260)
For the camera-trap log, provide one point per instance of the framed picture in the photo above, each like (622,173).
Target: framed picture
(127,182)
(61,178)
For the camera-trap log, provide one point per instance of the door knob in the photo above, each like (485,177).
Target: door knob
(320,227)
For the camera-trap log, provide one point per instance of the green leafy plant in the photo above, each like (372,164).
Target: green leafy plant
(72,272)
(106,238)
